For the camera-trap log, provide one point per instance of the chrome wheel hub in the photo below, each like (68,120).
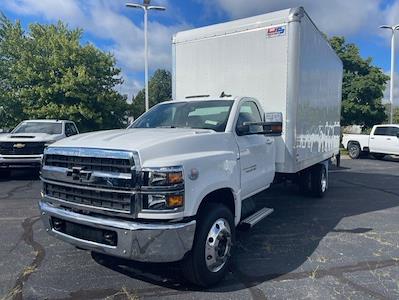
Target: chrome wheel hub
(218,245)
(353,151)
(323,181)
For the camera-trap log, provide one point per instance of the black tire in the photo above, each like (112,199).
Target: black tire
(194,265)
(378,155)
(5,173)
(319,178)
(354,150)
(305,182)
(338,159)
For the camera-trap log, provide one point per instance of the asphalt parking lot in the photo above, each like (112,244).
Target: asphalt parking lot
(343,246)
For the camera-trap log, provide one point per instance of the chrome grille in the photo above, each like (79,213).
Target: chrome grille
(102,164)
(98,180)
(105,200)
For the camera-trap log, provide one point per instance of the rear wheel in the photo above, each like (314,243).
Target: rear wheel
(378,155)
(209,259)
(319,180)
(354,150)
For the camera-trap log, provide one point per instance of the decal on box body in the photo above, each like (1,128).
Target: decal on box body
(275,31)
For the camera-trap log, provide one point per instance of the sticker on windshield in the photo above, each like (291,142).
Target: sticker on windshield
(276,31)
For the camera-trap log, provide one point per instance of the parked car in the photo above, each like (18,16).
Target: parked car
(256,100)
(24,146)
(383,140)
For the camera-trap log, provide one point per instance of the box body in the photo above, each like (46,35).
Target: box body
(279,58)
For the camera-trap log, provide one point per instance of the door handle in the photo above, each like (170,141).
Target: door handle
(371,138)
(388,139)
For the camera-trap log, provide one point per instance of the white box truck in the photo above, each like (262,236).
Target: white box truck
(255,100)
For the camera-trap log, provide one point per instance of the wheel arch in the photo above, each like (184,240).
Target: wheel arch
(225,196)
(354,142)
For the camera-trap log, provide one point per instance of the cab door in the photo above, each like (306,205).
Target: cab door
(256,152)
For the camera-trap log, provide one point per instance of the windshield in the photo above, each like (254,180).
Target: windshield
(210,114)
(38,127)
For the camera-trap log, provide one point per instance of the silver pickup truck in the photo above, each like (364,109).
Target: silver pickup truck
(24,146)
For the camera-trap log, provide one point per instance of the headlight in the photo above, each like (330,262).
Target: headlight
(165,176)
(164,188)
(163,201)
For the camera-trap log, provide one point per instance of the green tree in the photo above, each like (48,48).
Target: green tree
(160,89)
(47,73)
(395,118)
(363,86)
(11,110)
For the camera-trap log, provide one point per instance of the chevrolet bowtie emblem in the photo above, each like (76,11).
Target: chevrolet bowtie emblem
(19,146)
(78,173)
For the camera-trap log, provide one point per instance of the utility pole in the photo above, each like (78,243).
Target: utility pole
(146,7)
(393,30)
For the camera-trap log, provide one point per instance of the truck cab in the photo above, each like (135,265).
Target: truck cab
(170,187)
(173,164)
(384,139)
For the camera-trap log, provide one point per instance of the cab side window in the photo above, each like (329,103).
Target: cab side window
(393,131)
(386,131)
(70,129)
(249,112)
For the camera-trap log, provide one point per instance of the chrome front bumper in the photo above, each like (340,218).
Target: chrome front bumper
(20,160)
(136,241)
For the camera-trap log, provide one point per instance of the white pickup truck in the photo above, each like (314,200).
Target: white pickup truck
(177,182)
(24,146)
(383,140)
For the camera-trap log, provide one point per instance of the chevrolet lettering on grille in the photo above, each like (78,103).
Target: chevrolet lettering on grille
(78,173)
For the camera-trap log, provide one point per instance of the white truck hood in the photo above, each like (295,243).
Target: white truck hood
(29,137)
(159,144)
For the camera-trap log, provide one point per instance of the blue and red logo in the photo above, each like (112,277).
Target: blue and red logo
(276,31)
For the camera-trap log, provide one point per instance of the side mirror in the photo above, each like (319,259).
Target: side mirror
(397,135)
(273,128)
(264,128)
(273,123)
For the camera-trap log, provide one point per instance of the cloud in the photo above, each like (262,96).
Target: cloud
(392,13)
(339,17)
(109,24)
(130,87)
(50,9)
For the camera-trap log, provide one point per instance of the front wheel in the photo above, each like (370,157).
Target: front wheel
(209,259)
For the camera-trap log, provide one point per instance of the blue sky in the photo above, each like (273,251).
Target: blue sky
(112,27)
